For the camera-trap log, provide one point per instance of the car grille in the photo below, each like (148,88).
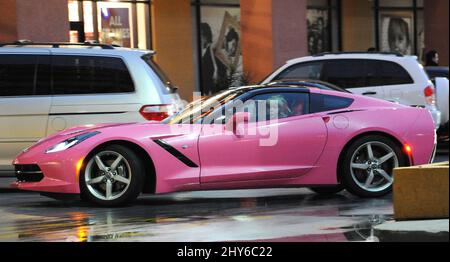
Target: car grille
(28,173)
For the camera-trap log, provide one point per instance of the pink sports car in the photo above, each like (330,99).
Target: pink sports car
(246,137)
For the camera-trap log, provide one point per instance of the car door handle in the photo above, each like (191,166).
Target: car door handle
(369,93)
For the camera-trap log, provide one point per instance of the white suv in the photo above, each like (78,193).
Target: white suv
(387,76)
(48,87)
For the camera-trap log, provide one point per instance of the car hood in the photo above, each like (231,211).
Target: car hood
(152,128)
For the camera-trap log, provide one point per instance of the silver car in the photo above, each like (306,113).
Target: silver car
(48,87)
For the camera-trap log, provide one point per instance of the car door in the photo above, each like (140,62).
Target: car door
(353,75)
(90,90)
(24,102)
(396,82)
(281,147)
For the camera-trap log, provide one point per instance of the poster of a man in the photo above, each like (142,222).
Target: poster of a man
(318,31)
(396,34)
(221,56)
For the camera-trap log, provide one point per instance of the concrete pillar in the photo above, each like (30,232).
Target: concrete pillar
(272,32)
(172,40)
(37,20)
(436,28)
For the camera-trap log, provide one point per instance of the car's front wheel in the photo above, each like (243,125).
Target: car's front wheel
(112,176)
(367,166)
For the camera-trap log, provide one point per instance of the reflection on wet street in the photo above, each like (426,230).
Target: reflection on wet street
(284,215)
(238,215)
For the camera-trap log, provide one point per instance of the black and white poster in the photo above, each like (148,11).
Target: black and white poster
(397,32)
(318,31)
(221,56)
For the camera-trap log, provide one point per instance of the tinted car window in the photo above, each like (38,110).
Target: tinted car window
(160,73)
(90,75)
(323,103)
(434,72)
(383,73)
(22,75)
(311,70)
(278,105)
(345,73)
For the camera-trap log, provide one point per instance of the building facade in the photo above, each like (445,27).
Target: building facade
(208,45)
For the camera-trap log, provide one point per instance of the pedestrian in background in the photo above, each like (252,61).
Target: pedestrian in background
(432,58)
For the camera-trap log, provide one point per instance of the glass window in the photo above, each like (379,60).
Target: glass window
(160,73)
(22,75)
(383,73)
(396,3)
(322,20)
(90,75)
(345,73)
(272,106)
(323,103)
(311,70)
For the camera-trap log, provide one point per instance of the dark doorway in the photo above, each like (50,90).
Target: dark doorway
(77,29)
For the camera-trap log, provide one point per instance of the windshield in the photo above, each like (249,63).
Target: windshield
(199,109)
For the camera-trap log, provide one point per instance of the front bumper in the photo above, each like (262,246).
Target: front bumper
(53,173)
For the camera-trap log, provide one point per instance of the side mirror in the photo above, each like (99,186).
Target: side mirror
(237,119)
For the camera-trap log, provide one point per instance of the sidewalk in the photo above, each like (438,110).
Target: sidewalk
(413,231)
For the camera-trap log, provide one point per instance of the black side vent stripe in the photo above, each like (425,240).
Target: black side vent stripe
(173,151)
(345,111)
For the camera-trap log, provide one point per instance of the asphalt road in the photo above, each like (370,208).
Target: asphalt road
(237,215)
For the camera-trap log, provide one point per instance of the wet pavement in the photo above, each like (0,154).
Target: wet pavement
(234,215)
(238,215)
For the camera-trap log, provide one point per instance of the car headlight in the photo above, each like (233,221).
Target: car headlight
(71,142)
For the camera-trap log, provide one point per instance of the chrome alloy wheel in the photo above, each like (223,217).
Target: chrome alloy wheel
(107,175)
(371,166)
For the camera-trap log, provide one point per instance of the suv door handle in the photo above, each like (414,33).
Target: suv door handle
(369,93)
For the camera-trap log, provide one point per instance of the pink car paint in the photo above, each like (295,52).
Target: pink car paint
(306,154)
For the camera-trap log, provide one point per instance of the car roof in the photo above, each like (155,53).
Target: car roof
(62,47)
(437,68)
(305,88)
(353,55)
(307,83)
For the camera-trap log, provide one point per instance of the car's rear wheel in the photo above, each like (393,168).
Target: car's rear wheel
(367,166)
(112,176)
(328,190)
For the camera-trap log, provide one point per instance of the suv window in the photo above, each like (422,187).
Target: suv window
(160,73)
(350,73)
(90,75)
(345,73)
(323,103)
(309,70)
(383,73)
(24,75)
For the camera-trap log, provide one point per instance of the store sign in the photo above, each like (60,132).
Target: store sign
(115,26)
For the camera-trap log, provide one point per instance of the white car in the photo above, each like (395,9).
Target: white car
(387,76)
(48,87)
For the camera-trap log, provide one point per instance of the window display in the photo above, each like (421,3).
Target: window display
(123,23)
(220,42)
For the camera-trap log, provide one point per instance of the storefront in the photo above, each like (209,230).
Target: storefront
(124,23)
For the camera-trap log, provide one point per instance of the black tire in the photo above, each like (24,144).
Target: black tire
(345,165)
(328,190)
(136,178)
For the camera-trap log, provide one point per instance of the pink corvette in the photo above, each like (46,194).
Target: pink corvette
(246,137)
